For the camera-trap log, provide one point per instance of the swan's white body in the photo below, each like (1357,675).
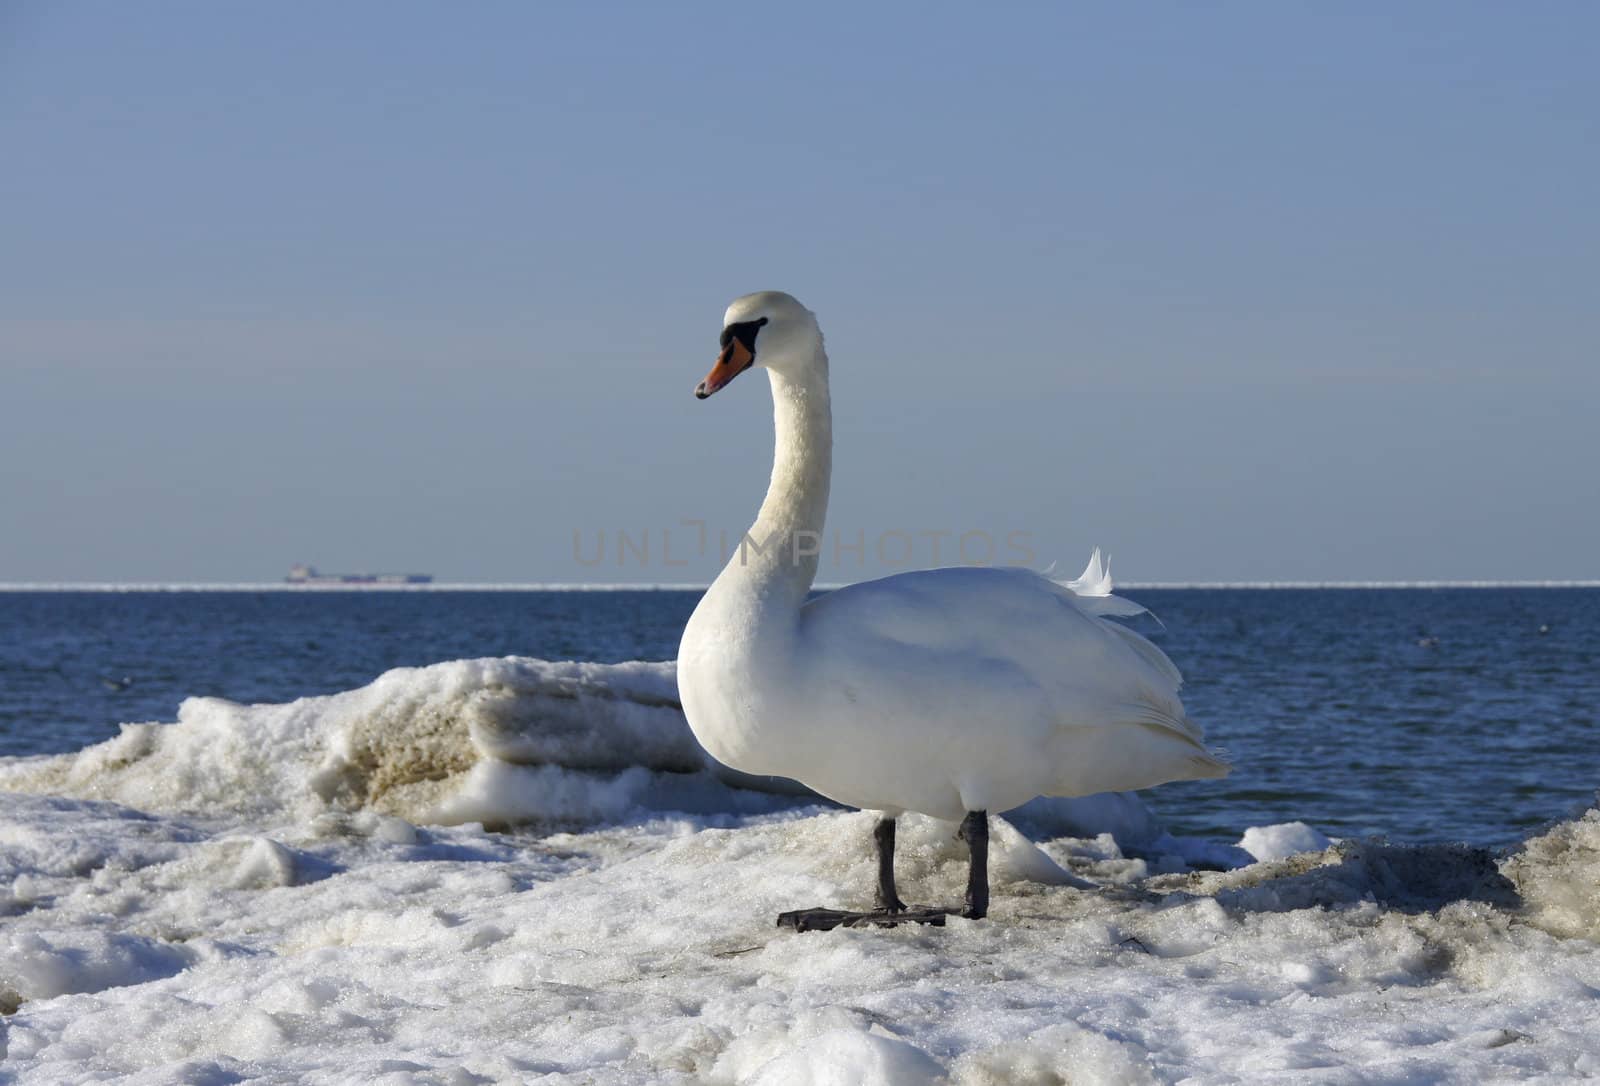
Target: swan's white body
(941,691)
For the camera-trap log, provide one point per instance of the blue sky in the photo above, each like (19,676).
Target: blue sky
(1236,291)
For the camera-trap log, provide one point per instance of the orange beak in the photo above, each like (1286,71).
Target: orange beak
(734,360)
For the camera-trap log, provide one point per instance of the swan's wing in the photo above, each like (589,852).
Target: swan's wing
(1050,641)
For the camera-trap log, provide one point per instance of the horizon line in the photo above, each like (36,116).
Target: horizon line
(668,586)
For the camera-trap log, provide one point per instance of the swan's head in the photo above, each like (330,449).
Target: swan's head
(768,328)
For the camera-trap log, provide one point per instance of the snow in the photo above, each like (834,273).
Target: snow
(308,893)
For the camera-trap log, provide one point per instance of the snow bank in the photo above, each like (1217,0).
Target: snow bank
(498,741)
(403,745)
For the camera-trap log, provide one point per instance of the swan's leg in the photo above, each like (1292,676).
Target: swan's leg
(975,831)
(890,911)
(883,835)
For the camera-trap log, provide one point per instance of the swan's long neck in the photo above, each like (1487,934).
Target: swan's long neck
(777,561)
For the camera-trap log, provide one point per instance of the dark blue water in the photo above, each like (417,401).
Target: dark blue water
(1332,710)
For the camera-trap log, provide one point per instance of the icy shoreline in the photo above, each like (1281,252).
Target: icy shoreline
(306,892)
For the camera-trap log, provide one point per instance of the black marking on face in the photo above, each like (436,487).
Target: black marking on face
(745,332)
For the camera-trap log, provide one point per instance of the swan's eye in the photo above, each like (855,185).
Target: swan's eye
(745,332)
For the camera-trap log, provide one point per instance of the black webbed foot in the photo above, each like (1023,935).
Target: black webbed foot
(819,919)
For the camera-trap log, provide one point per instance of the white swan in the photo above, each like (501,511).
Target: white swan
(951,692)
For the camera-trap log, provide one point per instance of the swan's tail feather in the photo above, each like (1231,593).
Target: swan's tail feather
(1207,766)
(1202,764)
(1151,713)
(1096,578)
(1093,590)
(1154,703)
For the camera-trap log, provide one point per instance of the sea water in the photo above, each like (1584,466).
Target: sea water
(1462,714)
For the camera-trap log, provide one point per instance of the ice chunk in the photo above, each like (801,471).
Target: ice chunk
(265,863)
(1281,841)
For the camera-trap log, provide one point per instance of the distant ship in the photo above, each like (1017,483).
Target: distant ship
(309,575)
